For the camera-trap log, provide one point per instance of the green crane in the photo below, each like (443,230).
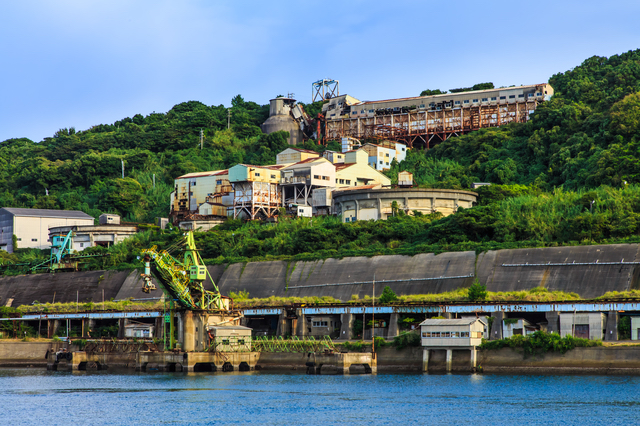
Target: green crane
(182,280)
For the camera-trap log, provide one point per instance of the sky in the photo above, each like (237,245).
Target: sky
(79,63)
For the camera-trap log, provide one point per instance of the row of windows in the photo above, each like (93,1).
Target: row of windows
(432,104)
(257,174)
(320,324)
(440,334)
(320,177)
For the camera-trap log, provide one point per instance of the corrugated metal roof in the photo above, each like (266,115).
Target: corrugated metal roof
(70,214)
(304,150)
(202,174)
(457,321)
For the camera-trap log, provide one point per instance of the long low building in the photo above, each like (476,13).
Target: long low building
(366,203)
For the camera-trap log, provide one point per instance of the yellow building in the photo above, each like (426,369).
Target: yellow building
(194,189)
(356,171)
(295,155)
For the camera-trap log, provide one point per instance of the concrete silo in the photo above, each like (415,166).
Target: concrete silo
(281,118)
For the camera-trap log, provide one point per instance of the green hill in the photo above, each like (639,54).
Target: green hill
(568,176)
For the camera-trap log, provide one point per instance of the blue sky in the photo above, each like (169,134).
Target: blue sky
(80,63)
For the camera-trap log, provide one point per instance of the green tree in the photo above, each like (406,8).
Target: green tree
(477,291)
(387,296)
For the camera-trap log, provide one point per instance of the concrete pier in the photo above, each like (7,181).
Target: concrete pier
(197,361)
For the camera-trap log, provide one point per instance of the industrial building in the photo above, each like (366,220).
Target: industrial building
(31,226)
(255,190)
(285,114)
(374,203)
(426,120)
(106,234)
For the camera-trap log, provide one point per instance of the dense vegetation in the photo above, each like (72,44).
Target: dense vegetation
(569,176)
(539,343)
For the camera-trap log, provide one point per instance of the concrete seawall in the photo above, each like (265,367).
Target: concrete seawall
(600,270)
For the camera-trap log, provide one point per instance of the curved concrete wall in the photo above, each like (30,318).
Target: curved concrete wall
(419,274)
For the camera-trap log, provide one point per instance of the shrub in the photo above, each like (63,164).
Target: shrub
(406,340)
(539,343)
(388,296)
(477,291)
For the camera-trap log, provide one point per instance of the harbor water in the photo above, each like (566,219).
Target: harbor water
(37,397)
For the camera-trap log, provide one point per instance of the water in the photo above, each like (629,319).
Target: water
(29,397)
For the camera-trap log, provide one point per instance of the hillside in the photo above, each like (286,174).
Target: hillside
(569,176)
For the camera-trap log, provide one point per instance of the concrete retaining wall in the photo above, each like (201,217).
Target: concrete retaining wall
(318,278)
(14,353)
(606,360)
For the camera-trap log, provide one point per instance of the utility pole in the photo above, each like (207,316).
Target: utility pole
(201,139)
(373,317)
(228,118)
(122,161)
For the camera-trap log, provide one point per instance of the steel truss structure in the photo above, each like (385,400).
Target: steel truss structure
(256,200)
(325,89)
(293,344)
(429,127)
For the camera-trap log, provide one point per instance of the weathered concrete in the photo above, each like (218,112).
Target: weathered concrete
(393,330)
(588,281)
(611,329)
(14,353)
(496,326)
(197,361)
(346,326)
(602,359)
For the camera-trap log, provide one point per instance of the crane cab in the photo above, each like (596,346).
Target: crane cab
(198,272)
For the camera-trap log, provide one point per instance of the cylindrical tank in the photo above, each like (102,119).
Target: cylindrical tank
(280,119)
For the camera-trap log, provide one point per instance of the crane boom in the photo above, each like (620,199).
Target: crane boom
(183,281)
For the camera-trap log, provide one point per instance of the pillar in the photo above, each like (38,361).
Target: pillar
(449,358)
(282,324)
(393,326)
(473,359)
(301,326)
(188,332)
(244,321)
(346,326)
(611,329)
(446,315)
(425,359)
(553,322)
(121,325)
(496,325)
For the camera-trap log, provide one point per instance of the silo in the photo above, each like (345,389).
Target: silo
(280,119)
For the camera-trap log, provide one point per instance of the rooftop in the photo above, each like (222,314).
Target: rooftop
(458,321)
(66,214)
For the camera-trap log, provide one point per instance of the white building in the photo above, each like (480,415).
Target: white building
(381,156)
(450,335)
(635,328)
(31,226)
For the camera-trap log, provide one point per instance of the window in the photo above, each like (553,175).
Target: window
(387,163)
(432,104)
(273,176)
(494,99)
(380,161)
(346,219)
(435,334)
(503,98)
(425,334)
(455,334)
(402,149)
(370,111)
(512,96)
(193,183)
(257,174)
(34,239)
(475,101)
(348,182)
(19,239)
(241,341)
(225,341)
(466,101)
(362,111)
(421,105)
(464,334)
(485,99)
(316,176)
(339,156)
(355,112)
(387,154)
(320,324)
(81,244)
(342,181)
(457,102)
(538,94)
(219,182)
(521,95)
